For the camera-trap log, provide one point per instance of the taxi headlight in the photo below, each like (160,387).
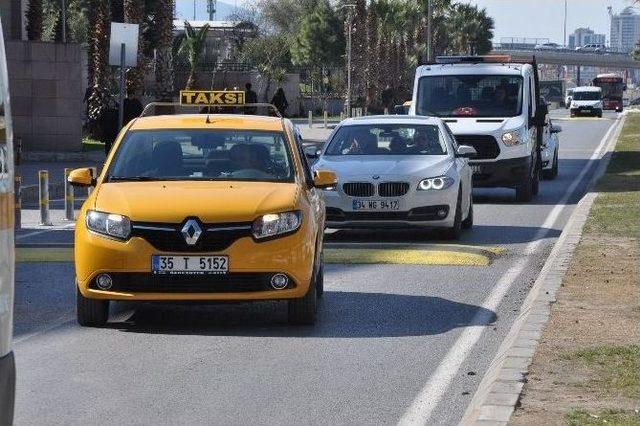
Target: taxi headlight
(511,139)
(272,225)
(112,225)
(436,183)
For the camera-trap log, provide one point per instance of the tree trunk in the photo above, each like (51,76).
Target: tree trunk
(164,57)
(134,14)
(34,20)
(98,101)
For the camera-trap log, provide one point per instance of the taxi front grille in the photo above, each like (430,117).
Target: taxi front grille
(227,283)
(358,189)
(486,146)
(393,189)
(168,238)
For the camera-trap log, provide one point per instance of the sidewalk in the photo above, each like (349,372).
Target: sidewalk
(586,369)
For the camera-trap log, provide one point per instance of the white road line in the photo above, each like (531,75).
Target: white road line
(431,394)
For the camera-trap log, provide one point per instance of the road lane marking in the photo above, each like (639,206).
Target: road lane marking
(406,257)
(431,394)
(43,254)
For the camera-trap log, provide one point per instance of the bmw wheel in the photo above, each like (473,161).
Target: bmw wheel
(552,173)
(454,232)
(468,222)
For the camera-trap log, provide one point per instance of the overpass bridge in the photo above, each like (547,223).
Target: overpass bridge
(571,57)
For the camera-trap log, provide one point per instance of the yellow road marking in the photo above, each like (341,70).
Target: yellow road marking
(437,254)
(44,254)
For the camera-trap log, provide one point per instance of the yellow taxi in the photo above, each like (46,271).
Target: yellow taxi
(202,207)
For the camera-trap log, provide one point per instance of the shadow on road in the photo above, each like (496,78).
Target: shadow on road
(341,315)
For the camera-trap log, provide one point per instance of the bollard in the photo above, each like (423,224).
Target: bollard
(68,197)
(310,119)
(17,196)
(326,119)
(386,111)
(43,183)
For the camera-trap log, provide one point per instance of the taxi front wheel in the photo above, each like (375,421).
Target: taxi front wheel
(91,312)
(303,311)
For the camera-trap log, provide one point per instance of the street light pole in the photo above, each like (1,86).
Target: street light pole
(429,30)
(565,23)
(347,102)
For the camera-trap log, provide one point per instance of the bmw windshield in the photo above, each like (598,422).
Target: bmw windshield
(470,96)
(235,155)
(387,139)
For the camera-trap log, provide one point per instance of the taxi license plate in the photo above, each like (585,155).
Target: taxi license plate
(376,205)
(189,265)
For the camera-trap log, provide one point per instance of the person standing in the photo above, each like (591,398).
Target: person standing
(279,100)
(250,97)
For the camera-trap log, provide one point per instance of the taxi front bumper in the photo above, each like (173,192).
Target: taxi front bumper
(251,265)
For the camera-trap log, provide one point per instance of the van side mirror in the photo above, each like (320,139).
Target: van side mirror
(82,177)
(312,152)
(466,151)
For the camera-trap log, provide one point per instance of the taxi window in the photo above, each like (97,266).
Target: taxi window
(388,139)
(244,155)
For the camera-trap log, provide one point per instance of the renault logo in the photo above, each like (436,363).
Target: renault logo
(191,232)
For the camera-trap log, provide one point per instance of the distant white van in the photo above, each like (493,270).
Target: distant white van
(587,100)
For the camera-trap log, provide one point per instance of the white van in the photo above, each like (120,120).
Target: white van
(493,105)
(587,100)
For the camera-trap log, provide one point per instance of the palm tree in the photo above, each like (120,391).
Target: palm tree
(99,59)
(192,45)
(163,57)
(34,20)
(134,13)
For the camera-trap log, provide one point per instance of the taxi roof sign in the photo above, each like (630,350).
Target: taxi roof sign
(212,97)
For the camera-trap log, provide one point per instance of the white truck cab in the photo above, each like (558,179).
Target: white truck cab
(493,105)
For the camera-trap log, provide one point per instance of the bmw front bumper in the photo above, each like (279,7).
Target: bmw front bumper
(423,209)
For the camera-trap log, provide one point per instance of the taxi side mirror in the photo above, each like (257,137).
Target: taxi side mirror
(82,177)
(324,179)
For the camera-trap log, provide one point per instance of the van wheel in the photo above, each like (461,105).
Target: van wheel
(468,222)
(91,312)
(455,231)
(553,172)
(524,191)
(303,311)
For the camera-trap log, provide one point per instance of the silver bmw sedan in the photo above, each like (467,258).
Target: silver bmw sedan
(397,172)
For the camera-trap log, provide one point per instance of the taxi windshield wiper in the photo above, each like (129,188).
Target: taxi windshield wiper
(133,179)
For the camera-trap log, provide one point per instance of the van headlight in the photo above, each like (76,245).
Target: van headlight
(272,225)
(436,183)
(511,138)
(112,225)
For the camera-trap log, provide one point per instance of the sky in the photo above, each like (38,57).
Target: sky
(513,18)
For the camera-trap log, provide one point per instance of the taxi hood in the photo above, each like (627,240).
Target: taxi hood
(211,202)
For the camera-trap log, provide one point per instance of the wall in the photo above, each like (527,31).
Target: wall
(45,80)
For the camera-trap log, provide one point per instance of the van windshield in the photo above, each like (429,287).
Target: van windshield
(470,96)
(230,155)
(586,96)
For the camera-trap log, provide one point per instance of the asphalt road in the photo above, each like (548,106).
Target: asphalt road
(392,341)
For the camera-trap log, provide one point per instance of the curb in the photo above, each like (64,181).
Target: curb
(499,391)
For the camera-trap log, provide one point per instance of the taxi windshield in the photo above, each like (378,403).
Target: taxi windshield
(388,139)
(232,155)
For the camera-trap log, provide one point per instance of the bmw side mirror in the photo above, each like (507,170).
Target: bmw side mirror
(466,151)
(312,152)
(556,129)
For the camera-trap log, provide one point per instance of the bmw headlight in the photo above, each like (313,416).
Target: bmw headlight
(511,138)
(436,183)
(272,225)
(112,225)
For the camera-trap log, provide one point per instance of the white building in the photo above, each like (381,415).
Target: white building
(625,30)
(583,36)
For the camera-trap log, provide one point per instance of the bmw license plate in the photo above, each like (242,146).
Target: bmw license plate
(376,205)
(189,265)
